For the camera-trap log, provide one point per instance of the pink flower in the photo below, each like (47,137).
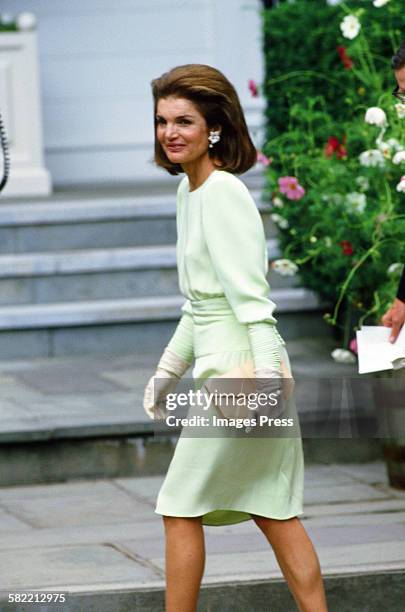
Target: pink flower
(291,188)
(253,88)
(353,345)
(263,159)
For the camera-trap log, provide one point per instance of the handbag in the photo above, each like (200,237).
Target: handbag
(237,385)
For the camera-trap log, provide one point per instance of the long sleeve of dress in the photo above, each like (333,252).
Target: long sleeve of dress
(264,342)
(236,242)
(235,239)
(182,341)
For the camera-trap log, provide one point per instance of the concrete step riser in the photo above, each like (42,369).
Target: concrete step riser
(363,592)
(126,338)
(95,234)
(107,234)
(368,592)
(138,456)
(100,285)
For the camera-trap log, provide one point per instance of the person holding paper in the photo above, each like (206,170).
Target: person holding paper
(395,315)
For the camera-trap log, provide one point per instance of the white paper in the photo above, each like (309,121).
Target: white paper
(374,350)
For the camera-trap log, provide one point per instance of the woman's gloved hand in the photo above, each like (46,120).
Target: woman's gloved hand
(169,371)
(277,383)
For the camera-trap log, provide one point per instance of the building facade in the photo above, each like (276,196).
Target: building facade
(97,59)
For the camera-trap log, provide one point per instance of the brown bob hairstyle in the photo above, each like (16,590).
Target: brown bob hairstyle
(217,101)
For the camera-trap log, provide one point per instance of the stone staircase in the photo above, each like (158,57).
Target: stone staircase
(94,272)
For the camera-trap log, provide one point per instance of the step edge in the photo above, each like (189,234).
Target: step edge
(128,310)
(103,209)
(95,260)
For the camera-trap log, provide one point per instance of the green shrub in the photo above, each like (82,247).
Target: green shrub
(343,244)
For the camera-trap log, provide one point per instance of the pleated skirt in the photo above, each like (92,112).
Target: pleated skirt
(223,478)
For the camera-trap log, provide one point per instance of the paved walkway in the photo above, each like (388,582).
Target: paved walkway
(103,535)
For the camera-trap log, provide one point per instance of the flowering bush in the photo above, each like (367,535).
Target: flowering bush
(337,181)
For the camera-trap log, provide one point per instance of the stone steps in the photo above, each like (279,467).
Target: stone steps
(96,272)
(71,314)
(122,325)
(92,274)
(83,223)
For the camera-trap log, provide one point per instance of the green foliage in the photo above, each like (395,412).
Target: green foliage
(12,27)
(342,243)
(302,62)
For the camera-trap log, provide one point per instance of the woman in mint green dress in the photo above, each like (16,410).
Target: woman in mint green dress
(227,319)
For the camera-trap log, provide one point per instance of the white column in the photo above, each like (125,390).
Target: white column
(21,112)
(237,44)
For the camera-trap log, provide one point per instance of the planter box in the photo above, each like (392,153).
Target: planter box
(20,109)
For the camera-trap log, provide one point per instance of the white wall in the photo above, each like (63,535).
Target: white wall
(97,58)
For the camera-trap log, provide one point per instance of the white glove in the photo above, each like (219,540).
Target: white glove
(169,371)
(278,383)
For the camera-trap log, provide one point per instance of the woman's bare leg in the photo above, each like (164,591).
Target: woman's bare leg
(298,561)
(185,561)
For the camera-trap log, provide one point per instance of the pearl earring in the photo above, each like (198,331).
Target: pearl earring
(214,137)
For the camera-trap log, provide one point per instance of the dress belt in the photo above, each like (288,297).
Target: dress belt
(216,328)
(215,305)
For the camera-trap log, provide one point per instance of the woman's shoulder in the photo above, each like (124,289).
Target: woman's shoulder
(224,183)
(223,177)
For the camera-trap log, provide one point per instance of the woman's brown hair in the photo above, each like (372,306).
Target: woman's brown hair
(216,99)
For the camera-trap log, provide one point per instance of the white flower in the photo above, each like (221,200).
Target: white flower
(363,183)
(401,184)
(399,157)
(281,222)
(343,356)
(334,198)
(385,149)
(379,3)
(356,202)
(376,116)
(395,268)
(26,21)
(278,202)
(372,158)
(382,218)
(400,108)
(328,241)
(285,267)
(350,26)
(394,144)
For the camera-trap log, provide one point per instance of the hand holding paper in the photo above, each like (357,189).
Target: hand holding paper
(376,352)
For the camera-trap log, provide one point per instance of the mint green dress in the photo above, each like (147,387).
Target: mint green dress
(222,263)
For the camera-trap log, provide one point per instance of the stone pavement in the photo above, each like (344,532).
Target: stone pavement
(101,539)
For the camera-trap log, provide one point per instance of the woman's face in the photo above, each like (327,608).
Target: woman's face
(181,130)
